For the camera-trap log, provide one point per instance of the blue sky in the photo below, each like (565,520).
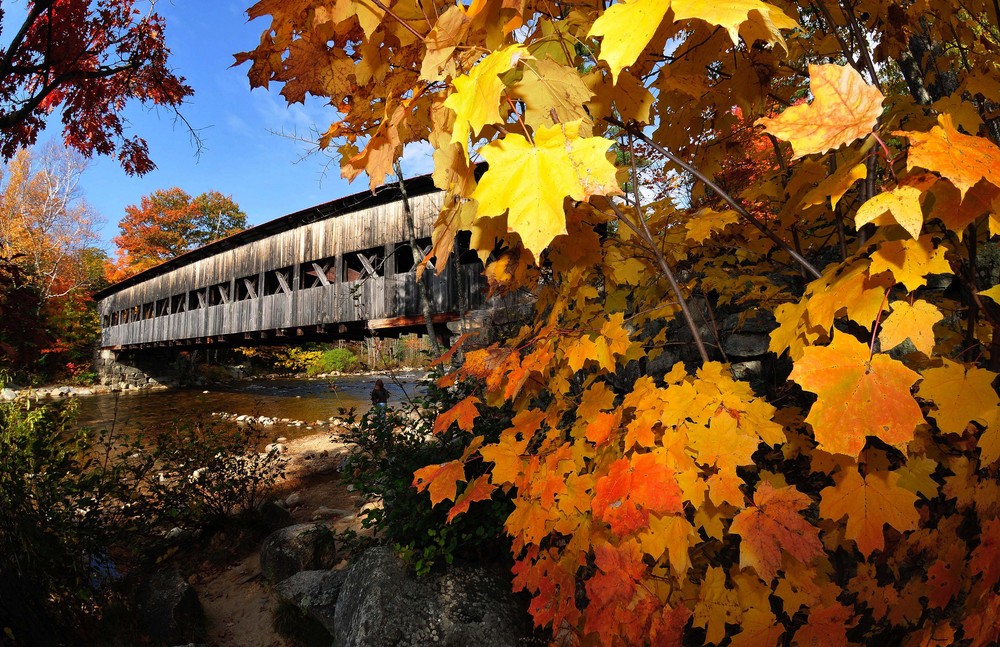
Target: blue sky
(242,156)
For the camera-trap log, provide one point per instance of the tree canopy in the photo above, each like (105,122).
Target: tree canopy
(85,59)
(168,223)
(830,169)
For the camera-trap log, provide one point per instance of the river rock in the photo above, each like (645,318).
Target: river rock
(303,547)
(274,515)
(315,593)
(7,394)
(293,500)
(169,609)
(380,604)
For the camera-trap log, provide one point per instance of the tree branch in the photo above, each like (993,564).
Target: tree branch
(725,196)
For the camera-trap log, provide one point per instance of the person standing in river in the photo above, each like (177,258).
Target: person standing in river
(380,398)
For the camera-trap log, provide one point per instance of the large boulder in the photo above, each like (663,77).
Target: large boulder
(380,604)
(315,593)
(169,609)
(303,547)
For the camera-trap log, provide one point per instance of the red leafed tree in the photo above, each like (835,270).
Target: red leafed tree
(168,223)
(86,59)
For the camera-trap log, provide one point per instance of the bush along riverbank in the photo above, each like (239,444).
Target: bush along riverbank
(86,519)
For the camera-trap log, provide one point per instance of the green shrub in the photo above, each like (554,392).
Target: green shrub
(78,509)
(386,452)
(336,359)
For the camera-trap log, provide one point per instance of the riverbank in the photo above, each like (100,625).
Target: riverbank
(64,391)
(238,605)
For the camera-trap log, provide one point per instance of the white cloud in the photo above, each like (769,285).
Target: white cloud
(418,159)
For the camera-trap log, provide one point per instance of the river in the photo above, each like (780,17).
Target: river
(301,399)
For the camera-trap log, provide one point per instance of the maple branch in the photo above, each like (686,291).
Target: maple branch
(722,194)
(648,237)
(855,29)
(674,286)
(383,7)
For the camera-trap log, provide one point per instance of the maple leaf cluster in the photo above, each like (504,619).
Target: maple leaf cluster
(86,59)
(849,495)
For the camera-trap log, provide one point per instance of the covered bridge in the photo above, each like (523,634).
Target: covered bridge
(333,270)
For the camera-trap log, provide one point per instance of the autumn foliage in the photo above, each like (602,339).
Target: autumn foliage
(85,59)
(168,223)
(849,495)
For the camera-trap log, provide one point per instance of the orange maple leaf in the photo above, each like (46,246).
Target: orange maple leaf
(479,490)
(845,107)
(962,159)
(632,489)
(464,413)
(441,480)
(772,525)
(869,502)
(856,396)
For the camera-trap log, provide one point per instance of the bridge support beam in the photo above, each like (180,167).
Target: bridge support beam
(138,369)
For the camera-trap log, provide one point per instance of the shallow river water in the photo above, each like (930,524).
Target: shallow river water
(307,400)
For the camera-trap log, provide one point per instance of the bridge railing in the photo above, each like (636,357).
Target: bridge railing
(375,297)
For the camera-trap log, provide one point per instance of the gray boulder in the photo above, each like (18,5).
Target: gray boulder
(381,605)
(8,394)
(169,609)
(303,547)
(315,593)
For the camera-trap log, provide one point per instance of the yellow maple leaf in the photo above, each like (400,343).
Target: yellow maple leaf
(552,93)
(704,222)
(844,108)
(914,322)
(869,502)
(993,293)
(902,203)
(671,534)
(756,20)
(856,396)
(910,261)
(989,440)
(530,180)
(961,393)
(717,605)
(476,99)
(627,28)
(962,159)
(835,186)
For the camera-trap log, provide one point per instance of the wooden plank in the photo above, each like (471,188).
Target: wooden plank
(418,320)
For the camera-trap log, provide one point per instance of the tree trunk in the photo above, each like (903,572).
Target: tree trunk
(425,297)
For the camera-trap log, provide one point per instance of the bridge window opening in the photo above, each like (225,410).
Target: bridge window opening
(198,299)
(246,288)
(105,321)
(218,294)
(278,281)
(122,316)
(148,310)
(403,256)
(368,263)
(463,249)
(178,303)
(318,274)
(162,307)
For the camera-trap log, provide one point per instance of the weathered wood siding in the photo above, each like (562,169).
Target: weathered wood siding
(387,295)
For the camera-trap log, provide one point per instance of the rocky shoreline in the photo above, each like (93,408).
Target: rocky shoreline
(62,391)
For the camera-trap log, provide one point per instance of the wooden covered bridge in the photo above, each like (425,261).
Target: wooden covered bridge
(332,271)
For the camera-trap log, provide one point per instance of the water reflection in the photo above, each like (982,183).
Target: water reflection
(308,400)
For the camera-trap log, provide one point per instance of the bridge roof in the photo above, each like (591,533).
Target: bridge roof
(385,194)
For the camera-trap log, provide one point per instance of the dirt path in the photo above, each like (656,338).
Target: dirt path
(238,604)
